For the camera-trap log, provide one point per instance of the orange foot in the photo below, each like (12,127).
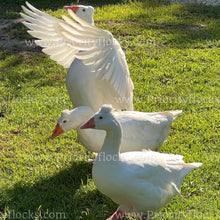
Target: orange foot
(91,160)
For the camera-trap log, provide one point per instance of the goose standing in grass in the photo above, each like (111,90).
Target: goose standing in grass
(141,130)
(140,182)
(97,67)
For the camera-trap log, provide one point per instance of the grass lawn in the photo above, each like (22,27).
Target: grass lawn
(173,52)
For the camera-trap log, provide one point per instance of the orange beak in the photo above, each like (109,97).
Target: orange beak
(57,131)
(73,8)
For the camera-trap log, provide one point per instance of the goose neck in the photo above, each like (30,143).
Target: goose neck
(111,147)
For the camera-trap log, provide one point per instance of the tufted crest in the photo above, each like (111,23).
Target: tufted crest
(106,108)
(65,112)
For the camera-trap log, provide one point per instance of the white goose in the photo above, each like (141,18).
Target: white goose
(141,130)
(98,71)
(140,182)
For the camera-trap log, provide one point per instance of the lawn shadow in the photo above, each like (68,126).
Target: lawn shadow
(11,8)
(93,205)
(188,26)
(54,194)
(28,68)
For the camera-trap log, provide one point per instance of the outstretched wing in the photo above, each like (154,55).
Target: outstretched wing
(47,29)
(74,38)
(102,51)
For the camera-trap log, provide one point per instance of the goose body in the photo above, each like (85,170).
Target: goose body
(140,182)
(83,86)
(141,130)
(97,67)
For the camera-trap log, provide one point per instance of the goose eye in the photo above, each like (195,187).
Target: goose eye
(84,9)
(64,121)
(100,117)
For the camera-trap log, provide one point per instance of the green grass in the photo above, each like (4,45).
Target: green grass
(173,53)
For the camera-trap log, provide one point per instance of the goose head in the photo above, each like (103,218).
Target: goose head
(82,11)
(102,120)
(71,119)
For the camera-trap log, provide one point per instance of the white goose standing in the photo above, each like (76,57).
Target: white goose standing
(140,182)
(141,130)
(98,71)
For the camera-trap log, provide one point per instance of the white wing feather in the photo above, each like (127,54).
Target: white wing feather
(47,29)
(99,49)
(75,38)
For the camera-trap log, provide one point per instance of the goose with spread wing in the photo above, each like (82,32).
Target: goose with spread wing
(97,69)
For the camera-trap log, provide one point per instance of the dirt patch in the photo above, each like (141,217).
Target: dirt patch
(205,2)
(14,44)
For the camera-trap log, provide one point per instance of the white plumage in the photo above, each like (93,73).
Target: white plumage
(98,71)
(140,182)
(141,130)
